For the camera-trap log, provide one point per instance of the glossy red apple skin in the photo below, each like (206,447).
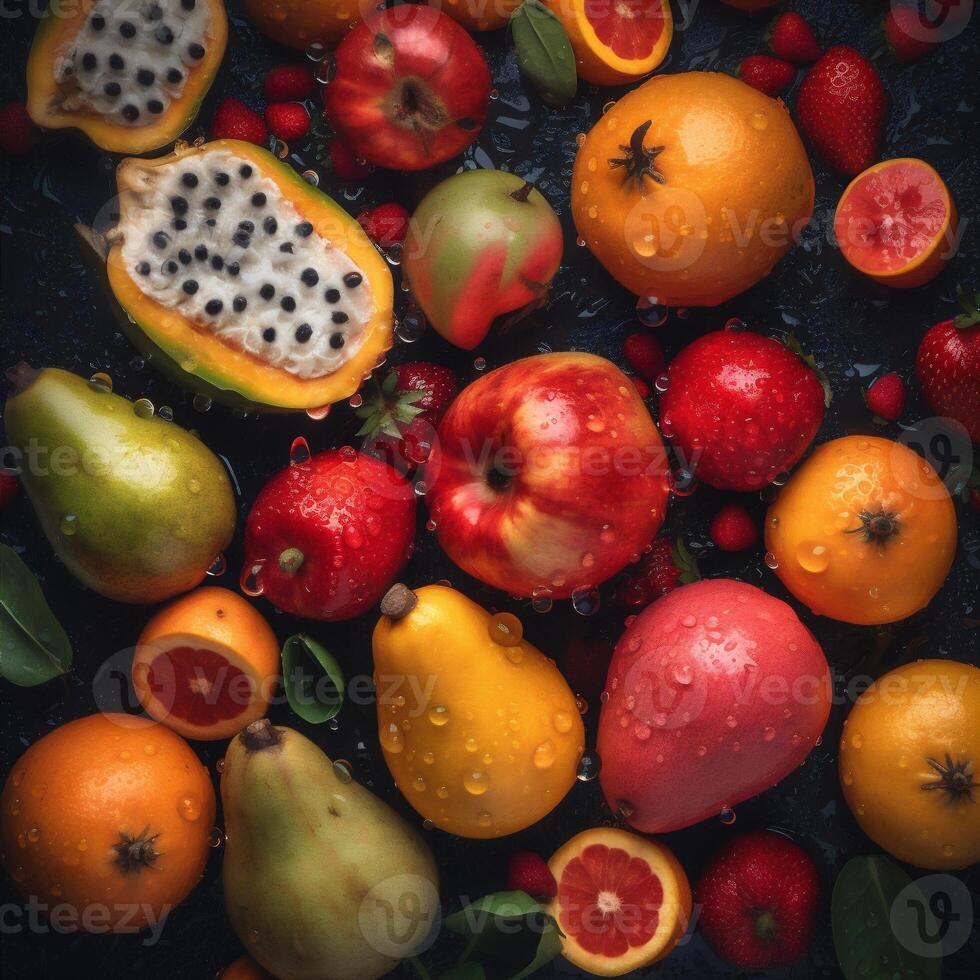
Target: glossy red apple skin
(549,475)
(411,88)
(717,691)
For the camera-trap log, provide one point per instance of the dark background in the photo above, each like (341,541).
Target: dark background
(54,313)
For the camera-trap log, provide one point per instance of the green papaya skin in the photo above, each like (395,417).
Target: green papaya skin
(137,508)
(322,880)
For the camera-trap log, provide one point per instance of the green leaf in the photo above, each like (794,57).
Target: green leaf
(544,53)
(313,678)
(511,927)
(970,316)
(866,944)
(686,562)
(34,647)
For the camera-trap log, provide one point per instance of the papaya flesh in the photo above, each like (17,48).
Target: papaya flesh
(248,284)
(130,78)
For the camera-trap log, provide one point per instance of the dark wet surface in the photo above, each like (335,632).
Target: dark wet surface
(54,314)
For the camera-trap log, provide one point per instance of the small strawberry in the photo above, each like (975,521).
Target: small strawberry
(644,355)
(666,566)
(9,485)
(233,120)
(386,224)
(16,130)
(290,83)
(732,529)
(908,35)
(344,164)
(769,75)
(841,108)
(527,872)
(792,39)
(948,366)
(402,413)
(886,397)
(289,121)
(642,388)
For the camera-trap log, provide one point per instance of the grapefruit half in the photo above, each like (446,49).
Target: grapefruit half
(623,901)
(206,665)
(615,41)
(896,222)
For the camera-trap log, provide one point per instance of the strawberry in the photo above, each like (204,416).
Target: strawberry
(290,83)
(886,397)
(16,130)
(527,872)
(907,35)
(769,75)
(732,529)
(948,366)
(665,567)
(344,164)
(792,39)
(233,120)
(644,355)
(386,224)
(642,388)
(758,901)
(841,108)
(741,408)
(401,414)
(9,485)
(289,121)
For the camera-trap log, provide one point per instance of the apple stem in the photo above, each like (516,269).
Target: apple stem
(521,194)
(291,560)
(398,602)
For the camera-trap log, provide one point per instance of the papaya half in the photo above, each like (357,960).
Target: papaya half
(131,77)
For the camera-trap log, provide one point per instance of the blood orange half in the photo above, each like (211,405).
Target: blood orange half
(896,223)
(615,41)
(206,665)
(623,901)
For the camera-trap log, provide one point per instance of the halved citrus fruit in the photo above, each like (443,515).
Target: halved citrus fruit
(623,901)
(615,41)
(206,665)
(896,222)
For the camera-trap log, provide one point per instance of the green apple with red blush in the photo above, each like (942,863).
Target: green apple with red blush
(480,244)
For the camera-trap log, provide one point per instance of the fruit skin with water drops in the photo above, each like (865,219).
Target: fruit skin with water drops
(233,120)
(493,735)
(716,680)
(769,75)
(841,108)
(290,813)
(300,23)
(792,39)
(702,152)
(411,89)
(886,397)
(328,536)
(110,816)
(527,872)
(741,408)
(116,495)
(549,476)
(206,665)
(480,244)
(897,223)
(759,901)
(910,763)
(623,902)
(947,365)
(864,531)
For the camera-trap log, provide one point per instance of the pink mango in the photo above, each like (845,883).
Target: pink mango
(716,692)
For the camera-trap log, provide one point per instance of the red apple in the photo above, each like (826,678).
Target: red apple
(549,475)
(411,88)
(716,692)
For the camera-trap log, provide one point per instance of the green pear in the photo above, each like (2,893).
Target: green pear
(322,880)
(136,507)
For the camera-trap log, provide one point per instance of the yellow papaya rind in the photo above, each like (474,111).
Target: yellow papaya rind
(59,25)
(201,356)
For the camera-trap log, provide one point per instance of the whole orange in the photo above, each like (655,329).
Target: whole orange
(909,755)
(108,816)
(691,188)
(298,23)
(478,15)
(864,532)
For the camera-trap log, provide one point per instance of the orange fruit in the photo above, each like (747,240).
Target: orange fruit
(478,15)
(909,758)
(206,665)
(298,23)
(244,968)
(864,532)
(109,815)
(615,43)
(623,901)
(691,188)
(896,223)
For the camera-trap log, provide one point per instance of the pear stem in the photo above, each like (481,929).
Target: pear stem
(21,376)
(398,602)
(260,735)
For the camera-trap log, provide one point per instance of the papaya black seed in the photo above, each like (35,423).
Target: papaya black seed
(269,334)
(339,317)
(164,35)
(212,203)
(145,77)
(127,30)
(98,22)
(309,277)
(130,113)
(221,179)
(179,205)
(174,76)
(303,332)
(153,12)
(213,307)
(188,4)
(116,62)
(270,225)
(288,304)
(189,180)
(353,279)
(304,229)
(143,268)
(234,268)
(200,253)
(160,239)
(179,224)
(239,303)
(184,256)
(211,222)
(286,247)
(89,61)
(258,200)
(196,51)
(245,171)
(246,226)
(337,340)
(267,291)
(190,287)
(217,263)
(332,295)
(112,89)
(155,106)
(171,267)
(241,239)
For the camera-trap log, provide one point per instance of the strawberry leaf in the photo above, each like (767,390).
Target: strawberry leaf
(794,345)
(970,316)
(387,411)
(685,562)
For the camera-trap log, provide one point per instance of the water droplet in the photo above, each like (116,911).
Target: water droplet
(759,121)
(480,364)
(100,381)
(137,363)
(588,767)
(343,770)
(421,488)
(735,323)
(586,601)
(318,414)
(34,835)
(217,567)
(768,733)
(393,254)
(202,403)
(813,557)
(651,312)
(216,837)
(544,756)
(219,766)
(190,808)
(166,413)
(476,782)
(316,51)
(439,715)
(771,561)
(68,525)
(143,408)
(325,70)
(580,138)
(541,601)
(484,818)
(727,816)
(411,326)
(506,630)
(299,451)
(250,582)
(682,482)
(427,824)
(662,383)
(391,739)
(562,721)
